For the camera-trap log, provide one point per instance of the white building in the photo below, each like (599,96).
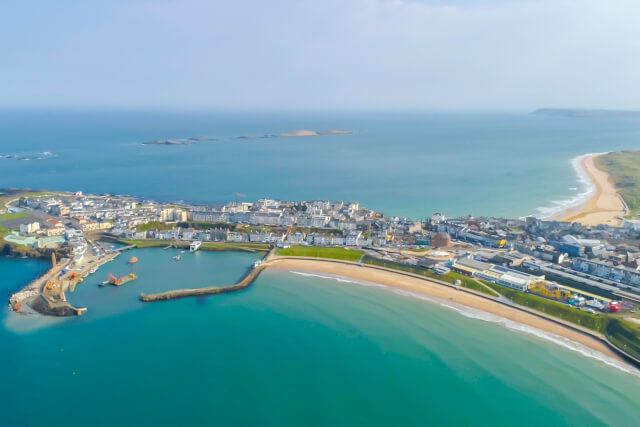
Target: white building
(29,228)
(353,239)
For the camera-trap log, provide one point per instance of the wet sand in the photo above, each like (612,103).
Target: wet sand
(605,206)
(433,289)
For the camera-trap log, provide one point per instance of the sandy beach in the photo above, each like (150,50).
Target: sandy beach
(605,206)
(433,289)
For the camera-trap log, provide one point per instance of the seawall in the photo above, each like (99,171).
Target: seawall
(244,283)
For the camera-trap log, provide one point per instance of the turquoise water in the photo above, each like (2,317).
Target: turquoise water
(296,350)
(408,164)
(291,350)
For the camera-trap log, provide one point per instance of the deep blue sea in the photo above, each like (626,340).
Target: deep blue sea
(404,164)
(298,349)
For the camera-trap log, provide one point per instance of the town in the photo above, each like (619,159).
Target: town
(593,268)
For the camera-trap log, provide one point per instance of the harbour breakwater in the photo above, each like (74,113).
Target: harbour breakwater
(242,284)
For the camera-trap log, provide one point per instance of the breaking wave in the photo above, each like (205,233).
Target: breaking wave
(492,318)
(587,189)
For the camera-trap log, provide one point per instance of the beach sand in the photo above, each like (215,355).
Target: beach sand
(433,289)
(605,207)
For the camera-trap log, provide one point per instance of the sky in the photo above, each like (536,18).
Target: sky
(321,54)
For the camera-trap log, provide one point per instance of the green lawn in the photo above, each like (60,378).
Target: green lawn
(154,225)
(321,252)
(8,216)
(623,168)
(451,277)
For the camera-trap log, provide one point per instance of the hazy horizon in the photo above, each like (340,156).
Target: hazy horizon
(434,55)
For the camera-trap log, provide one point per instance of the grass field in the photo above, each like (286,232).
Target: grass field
(154,225)
(319,252)
(8,216)
(623,168)
(450,277)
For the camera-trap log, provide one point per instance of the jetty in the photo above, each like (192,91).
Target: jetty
(246,281)
(46,294)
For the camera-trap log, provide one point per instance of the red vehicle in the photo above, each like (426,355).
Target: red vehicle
(613,308)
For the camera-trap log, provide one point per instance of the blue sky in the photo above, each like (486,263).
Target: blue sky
(323,54)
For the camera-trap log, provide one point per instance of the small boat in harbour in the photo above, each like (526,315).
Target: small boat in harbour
(176,258)
(194,246)
(133,260)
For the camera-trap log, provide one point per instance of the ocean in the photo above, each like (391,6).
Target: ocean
(298,349)
(403,164)
(294,349)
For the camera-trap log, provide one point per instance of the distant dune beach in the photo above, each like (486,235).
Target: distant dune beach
(606,206)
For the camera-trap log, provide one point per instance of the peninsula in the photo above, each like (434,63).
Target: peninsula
(586,113)
(526,270)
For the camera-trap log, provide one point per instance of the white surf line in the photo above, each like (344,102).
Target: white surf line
(491,318)
(557,207)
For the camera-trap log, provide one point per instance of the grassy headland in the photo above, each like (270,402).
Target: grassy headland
(623,168)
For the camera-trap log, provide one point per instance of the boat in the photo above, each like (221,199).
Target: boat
(118,281)
(194,246)
(133,260)
(176,258)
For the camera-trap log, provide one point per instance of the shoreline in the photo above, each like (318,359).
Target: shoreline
(424,287)
(604,205)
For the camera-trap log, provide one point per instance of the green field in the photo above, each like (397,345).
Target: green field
(623,168)
(154,225)
(451,277)
(320,252)
(8,216)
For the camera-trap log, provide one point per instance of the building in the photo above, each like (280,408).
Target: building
(29,228)
(353,239)
(607,270)
(441,240)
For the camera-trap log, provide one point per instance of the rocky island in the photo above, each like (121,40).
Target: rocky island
(298,133)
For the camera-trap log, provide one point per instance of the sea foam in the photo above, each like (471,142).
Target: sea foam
(492,318)
(587,190)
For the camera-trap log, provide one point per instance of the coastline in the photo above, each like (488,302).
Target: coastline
(604,204)
(428,289)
